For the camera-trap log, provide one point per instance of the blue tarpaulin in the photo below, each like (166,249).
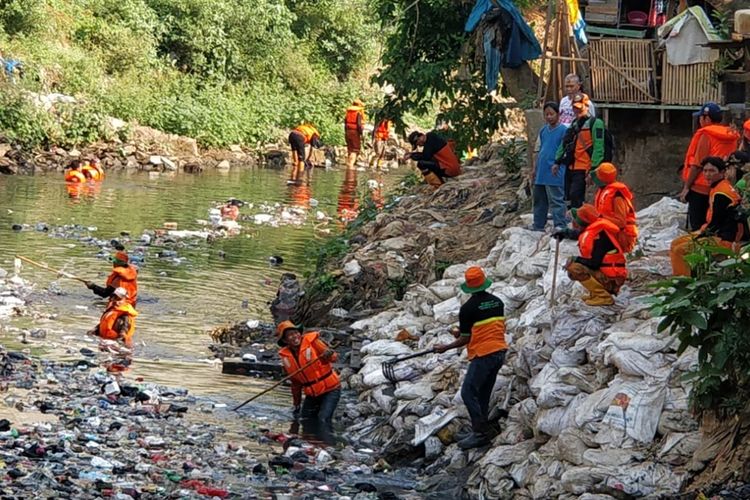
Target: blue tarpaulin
(519,42)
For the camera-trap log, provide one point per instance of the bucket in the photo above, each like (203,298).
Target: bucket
(637,17)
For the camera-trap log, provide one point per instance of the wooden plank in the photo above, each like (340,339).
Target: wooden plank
(601,30)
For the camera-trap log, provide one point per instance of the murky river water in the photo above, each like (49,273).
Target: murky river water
(183,296)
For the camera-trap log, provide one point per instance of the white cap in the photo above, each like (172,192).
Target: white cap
(121,292)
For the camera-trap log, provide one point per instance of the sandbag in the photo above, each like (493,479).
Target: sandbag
(430,424)
(636,408)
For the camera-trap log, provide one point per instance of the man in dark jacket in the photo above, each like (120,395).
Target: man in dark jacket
(436,161)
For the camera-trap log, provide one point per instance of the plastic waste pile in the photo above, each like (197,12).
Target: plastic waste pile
(71,430)
(595,399)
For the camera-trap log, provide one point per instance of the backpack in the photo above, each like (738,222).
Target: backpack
(609,140)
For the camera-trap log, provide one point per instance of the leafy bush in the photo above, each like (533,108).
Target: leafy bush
(21,122)
(710,312)
(222,71)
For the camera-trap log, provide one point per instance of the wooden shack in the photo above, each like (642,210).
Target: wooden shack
(644,54)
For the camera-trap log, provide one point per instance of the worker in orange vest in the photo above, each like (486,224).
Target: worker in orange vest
(584,146)
(482,330)
(123,275)
(93,170)
(711,139)
(354,125)
(724,225)
(318,380)
(298,138)
(614,201)
(118,320)
(436,161)
(74,174)
(380,136)
(600,268)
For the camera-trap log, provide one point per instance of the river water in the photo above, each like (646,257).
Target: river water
(182,296)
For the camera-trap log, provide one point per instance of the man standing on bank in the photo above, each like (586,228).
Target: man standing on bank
(318,380)
(482,329)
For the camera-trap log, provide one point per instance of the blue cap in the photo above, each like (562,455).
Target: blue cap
(710,109)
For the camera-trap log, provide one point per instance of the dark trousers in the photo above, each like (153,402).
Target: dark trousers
(431,166)
(697,210)
(321,408)
(575,187)
(477,389)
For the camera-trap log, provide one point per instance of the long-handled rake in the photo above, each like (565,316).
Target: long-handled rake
(389,371)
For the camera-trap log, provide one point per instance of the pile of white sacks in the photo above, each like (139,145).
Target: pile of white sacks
(596,397)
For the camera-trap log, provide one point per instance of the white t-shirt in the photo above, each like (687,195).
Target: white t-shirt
(566,111)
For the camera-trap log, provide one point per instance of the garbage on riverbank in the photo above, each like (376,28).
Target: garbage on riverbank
(596,401)
(415,240)
(72,430)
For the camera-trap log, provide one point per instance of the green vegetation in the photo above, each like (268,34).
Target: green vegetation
(222,71)
(711,312)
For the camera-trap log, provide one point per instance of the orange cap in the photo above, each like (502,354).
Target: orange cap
(283,327)
(120,257)
(606,172)
(580,100)
(476,281)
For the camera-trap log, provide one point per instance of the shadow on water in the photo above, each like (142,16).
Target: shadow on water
(182,296)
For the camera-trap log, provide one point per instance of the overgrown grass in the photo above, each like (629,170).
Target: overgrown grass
(221,71)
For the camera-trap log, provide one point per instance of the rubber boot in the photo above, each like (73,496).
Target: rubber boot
(432,179)
(599,296)
(590,286)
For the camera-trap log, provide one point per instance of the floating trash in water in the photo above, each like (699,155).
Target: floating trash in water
(276,260)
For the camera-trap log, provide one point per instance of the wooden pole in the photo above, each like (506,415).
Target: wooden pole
(547,25)
(50,269)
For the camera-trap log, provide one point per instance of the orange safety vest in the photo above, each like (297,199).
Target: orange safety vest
(125,277)
(604,202)
(487,336)
(308,132)
(350,121)
(448,161)
(94,171)
(318,378)
(723,188)
(723,142)
(110,316)
(613,264)
(383,132)
(581,158)
(74,175)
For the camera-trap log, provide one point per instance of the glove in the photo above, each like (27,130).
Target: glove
(90,285)
(562,234)
(327,355)
(295,412)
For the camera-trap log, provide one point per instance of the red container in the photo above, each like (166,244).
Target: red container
(637,17)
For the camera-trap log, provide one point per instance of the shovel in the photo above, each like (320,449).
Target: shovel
(390,372)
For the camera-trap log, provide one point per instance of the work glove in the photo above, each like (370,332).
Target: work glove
(327,355)
(295,412)
(90,285)
(562,234)
(455,331)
